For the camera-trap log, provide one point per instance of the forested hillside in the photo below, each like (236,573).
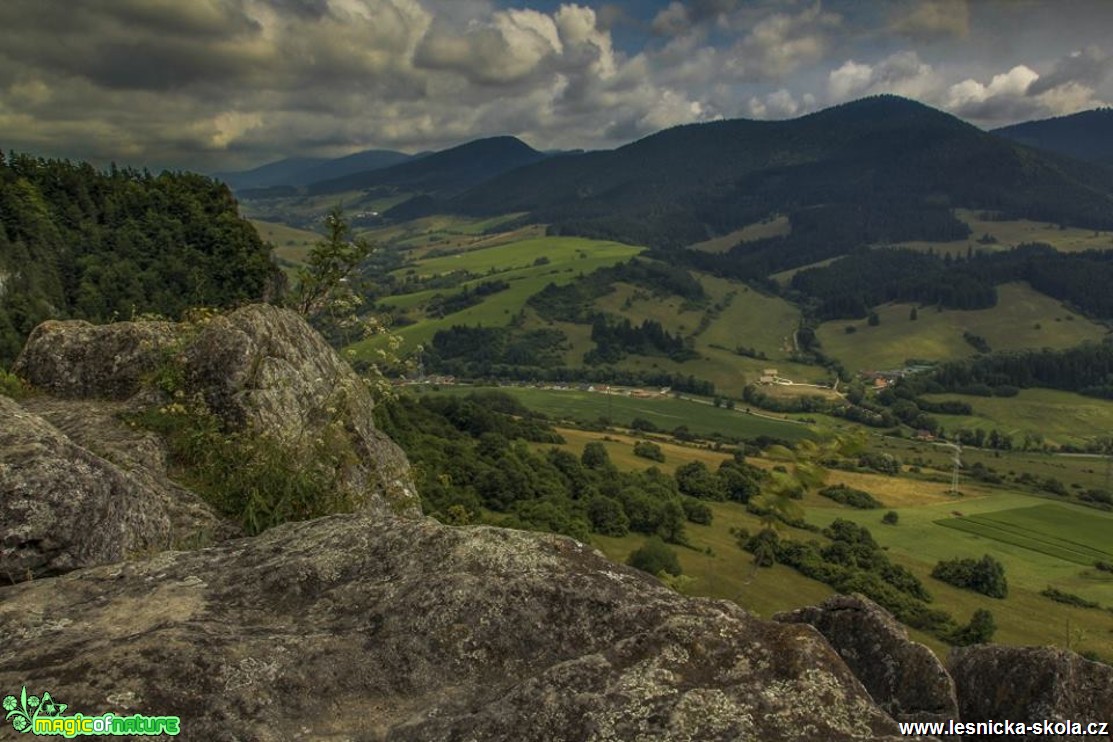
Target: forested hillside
(850,286)
(79,243)
(882,169)
(446,172)
(1087,135)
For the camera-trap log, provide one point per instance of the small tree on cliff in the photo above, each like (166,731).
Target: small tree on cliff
(329,267)
(328,295)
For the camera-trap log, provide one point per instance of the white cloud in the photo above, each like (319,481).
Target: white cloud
(1016,95)
(903,73)
(780,104)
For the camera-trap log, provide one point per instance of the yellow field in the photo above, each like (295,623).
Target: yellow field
(620,448)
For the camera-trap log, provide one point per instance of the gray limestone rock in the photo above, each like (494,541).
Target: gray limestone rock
(264,368)
(63,507)
(1032,684)
(77,359)
(904,677)
(259,368)
(367,627)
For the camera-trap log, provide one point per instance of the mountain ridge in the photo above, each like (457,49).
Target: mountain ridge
(689,182)
(450,170)
(1087,135)
(301,171)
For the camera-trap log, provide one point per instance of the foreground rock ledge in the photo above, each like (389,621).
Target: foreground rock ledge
(370,628)
(903,676)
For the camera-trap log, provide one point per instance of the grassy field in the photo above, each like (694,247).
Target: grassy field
(1023,318)
(289,243)
(749,319)
(665,412)
(1016,232)
(718,568)
(773,227)
(515,263)
(1076,472)
(620,447)
(923,537)
(1046,529)
(1060,417)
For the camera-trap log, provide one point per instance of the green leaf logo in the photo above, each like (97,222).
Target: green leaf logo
(23,711)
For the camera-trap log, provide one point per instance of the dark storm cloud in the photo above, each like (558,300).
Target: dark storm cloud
(1091,66)
(314,9)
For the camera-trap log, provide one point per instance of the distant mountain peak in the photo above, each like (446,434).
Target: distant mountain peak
(1086,135)
(446,172)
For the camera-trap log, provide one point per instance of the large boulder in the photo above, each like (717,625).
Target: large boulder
(259,369)
(76,359)
(101,428)
(380,628)
(63,507)
(904,677)
(1032,684)
(265,369)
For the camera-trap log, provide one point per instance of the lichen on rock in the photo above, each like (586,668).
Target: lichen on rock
(63,507)
(904,677)
(267,392)
(381,628)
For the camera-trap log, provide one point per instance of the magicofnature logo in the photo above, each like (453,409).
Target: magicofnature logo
(45,717)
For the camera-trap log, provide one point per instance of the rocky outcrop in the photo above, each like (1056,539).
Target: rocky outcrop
(265,369)
(380,628)
(904,677)
(100,427)
(63,507)
(1032,684)
(258,368)
(76,359)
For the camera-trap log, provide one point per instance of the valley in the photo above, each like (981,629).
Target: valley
(704,370)
(581,291)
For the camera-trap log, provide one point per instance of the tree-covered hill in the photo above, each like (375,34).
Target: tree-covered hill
(301,171)
(79,243)
(1087,135)
(447,172)
(879,160)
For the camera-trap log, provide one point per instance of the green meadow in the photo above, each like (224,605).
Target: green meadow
(778,226)
(1046,529)
(1023,318)
(527,265)
(717,567)
(290,244)
(749,319)
(665,412)
(1059,417)
(1016,232)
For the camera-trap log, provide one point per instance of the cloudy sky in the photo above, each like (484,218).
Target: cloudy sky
(225,84)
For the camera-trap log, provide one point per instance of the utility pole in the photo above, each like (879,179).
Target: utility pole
(956,464)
